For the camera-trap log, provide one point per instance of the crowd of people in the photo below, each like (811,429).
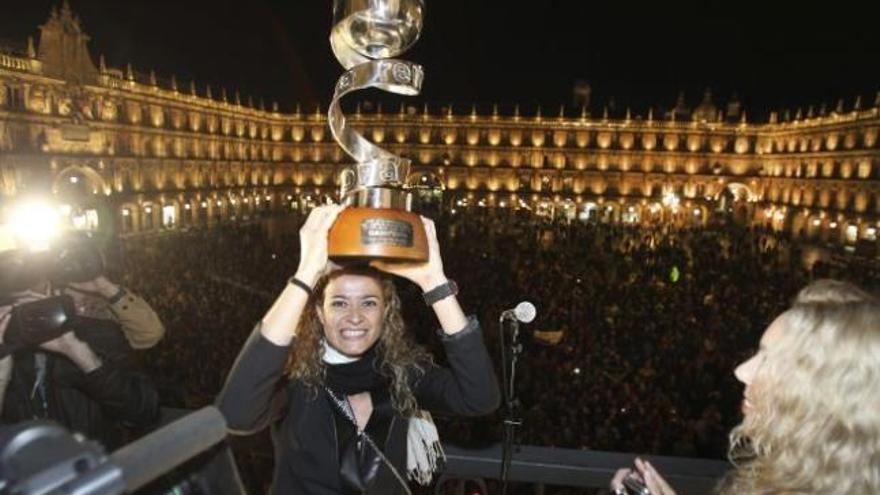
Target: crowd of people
(637,331)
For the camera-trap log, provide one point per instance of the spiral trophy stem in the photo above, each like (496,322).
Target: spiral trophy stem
(379,223)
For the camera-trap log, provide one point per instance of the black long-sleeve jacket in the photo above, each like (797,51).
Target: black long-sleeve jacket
(304,431)
(95,404)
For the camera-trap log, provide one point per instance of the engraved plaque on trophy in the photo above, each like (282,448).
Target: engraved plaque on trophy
(379,222)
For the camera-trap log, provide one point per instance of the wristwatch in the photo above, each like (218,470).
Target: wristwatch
(442,291)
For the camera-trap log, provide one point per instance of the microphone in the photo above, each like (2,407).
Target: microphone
(523,312)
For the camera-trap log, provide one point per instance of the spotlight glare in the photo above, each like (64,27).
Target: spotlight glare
(35,224)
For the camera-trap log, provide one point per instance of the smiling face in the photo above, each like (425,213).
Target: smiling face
(352,313)
(748,370)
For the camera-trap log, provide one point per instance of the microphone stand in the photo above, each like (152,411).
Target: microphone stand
(509,355)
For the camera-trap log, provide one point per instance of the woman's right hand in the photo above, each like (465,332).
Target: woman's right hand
(313,242)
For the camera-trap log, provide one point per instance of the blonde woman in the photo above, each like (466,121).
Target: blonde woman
(332,370)
(811,404)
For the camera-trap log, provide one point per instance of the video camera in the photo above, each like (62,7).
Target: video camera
(75,259)
(33,323)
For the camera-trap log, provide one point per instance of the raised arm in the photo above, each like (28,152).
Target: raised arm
(469,387)
(430,276)
(109,378)
(253,394)
(279,323)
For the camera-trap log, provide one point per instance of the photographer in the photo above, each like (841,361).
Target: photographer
(84,376)
(77,266)
(101,298)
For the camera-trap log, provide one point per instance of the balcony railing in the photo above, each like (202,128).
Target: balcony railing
(19,63)
(578,468)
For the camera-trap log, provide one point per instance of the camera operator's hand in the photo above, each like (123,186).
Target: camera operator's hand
(313,242)
(6,311)
(99,286)
(426,275)
(74,349)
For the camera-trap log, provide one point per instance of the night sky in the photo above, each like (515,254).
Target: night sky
(502,51)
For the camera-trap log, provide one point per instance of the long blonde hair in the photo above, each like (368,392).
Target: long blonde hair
(399,356)
(815,426)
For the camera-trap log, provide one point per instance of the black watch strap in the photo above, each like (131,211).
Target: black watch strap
(302,285)
(442,291)
(118,296)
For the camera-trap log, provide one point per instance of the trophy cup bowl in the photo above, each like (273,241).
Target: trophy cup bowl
(378,223)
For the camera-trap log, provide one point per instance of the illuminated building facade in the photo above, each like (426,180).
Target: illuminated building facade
(125,148)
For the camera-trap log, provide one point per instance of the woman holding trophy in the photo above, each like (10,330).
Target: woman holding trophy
(332,370)
(330,366)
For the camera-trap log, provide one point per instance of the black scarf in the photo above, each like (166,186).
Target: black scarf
(358,461)
(358,376)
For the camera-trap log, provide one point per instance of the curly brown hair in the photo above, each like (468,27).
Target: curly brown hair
(400,358)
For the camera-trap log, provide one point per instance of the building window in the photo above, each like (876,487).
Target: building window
(169,216)
(127,222)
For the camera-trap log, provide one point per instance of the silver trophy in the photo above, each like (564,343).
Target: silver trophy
(366,35)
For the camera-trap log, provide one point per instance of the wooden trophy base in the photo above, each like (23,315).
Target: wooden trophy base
(361,234)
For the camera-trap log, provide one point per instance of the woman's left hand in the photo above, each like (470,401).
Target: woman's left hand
(426,275)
